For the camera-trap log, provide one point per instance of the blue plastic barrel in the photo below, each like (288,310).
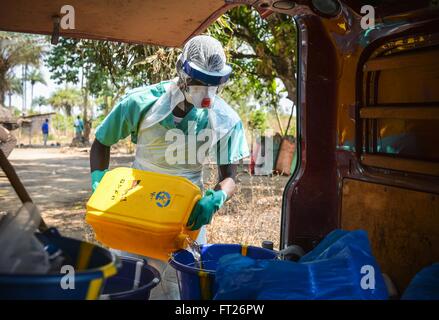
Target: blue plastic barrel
(92,265)
(197,283)
(134,281)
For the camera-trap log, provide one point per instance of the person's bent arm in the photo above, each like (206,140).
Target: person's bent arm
(226,179)
(235,146)
(213,200)
(99,156)
(122,121)
(99,162)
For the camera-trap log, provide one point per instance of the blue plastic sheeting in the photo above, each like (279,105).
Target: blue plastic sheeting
(425,285)
(340,267)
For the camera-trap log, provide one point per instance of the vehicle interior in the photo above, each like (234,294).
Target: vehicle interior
(367,109)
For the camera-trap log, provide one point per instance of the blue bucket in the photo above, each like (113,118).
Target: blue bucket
(199,284)
(134,281)
(92,265)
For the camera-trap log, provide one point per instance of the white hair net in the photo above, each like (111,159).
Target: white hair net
(205,52)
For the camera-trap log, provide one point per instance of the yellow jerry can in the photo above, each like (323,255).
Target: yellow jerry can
(143,212)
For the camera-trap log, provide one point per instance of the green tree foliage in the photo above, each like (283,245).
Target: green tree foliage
(14,85)
(258,120)
(39,101)
(69,58)
(62,123)
(34,77)
(16,50)
(109,67)
(65,99)
(262,52)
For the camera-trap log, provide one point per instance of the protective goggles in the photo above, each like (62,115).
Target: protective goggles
(214,78)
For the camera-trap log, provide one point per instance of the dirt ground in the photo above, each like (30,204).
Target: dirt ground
(58,181)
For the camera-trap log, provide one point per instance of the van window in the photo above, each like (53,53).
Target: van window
(400,109)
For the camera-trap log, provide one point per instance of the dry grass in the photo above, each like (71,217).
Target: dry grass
(252,215)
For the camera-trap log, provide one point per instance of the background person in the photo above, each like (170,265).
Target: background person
(45,131)
(79,127)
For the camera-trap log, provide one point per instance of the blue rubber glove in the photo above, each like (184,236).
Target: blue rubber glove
(96,177)
(205,208)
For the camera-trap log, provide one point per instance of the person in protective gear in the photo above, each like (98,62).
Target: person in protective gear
(163,117)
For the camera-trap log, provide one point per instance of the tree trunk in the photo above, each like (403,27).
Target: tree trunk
(68,110)
(2,86)
(84,87)
(31,96)
(85,116)
(2,94)
(24,71)
(3,72)
(289,120)
(290,85)
(106,105)
(279,122)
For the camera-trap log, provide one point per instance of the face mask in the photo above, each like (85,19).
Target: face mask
(201,96)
